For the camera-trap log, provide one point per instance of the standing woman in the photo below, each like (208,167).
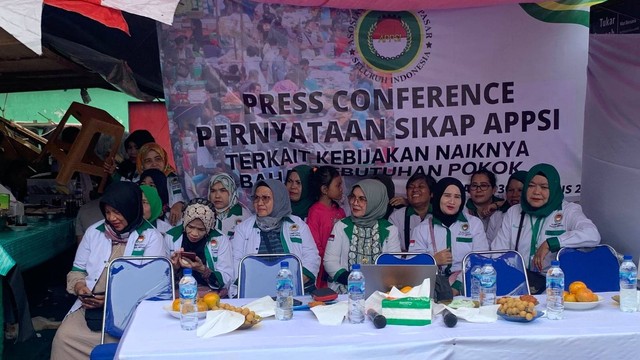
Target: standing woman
(299,187)
(327,188)
(361,237)
(482,196)
(419,188)
(514,192)
(449,235)
(213,263)
(153,156)
(274,230)
(543,222)
(122,233)
(223,193)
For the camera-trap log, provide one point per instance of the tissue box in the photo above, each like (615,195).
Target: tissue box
(414,311)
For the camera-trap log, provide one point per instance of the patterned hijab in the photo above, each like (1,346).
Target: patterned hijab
(377,200)
(228,183)
(144,150)
(200,209)
(154,201)
(555,191)
(281,205)
(126,198)
(438,191)
(301,207)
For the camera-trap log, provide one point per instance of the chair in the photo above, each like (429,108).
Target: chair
(131,280)
(257,274)
(405,259)
(509,266)
(598,267)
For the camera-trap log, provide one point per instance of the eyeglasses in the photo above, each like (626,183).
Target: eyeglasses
(420,187)
(264,199)
(360,199)
(476,187)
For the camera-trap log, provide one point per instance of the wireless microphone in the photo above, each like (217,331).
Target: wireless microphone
(379,321)
(450,319)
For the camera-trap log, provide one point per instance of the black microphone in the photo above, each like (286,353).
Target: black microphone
(450,319)
(379,321)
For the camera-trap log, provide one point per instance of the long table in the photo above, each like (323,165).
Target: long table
(601,333)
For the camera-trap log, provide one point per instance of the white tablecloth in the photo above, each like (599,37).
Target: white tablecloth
(602,333)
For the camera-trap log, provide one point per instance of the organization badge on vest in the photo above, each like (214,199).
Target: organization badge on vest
(213,243)
(294,227)
(465,227)
(558,217)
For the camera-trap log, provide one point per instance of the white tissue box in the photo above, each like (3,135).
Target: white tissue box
(414,311)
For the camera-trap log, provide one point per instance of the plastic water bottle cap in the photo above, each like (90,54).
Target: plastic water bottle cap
(555,263)
(186,271)
(628,257)
(284,265)
(355,267)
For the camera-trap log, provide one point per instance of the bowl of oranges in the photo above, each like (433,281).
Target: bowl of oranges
(580,297)
(209,301)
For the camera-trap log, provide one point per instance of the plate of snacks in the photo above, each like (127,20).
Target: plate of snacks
(514,309)
(250,317)
(583,305)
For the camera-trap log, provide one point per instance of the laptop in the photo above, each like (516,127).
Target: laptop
(384,277)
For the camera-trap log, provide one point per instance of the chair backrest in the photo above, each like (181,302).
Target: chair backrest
(510,268)
(405,259)
(257,274)
(598,267)
(131,280)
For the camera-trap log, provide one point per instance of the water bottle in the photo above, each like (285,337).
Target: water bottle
(284,292)
(355,288)
(188,288)
(555,289)
(488,278)
(628,283)
(475,283)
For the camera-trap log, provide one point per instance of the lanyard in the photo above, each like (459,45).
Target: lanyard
(447,270)
(535,231)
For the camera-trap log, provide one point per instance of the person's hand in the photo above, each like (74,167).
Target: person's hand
(109,166)
(444,257)
(95,302)
(541,253)
(176,213)
(455,292)
(175,260)
(198,265)
(398,201)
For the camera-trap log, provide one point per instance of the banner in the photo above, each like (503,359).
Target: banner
(255,89)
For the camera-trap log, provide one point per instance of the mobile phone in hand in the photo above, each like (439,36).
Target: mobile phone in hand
(86,296)
(189,255)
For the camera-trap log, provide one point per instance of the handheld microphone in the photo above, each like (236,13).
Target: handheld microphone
(379,321)
(450,319)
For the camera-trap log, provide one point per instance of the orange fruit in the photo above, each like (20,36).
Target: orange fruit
(202,306)
(584,295)
(406,289)
(570,298)
(565,293)
(212,299)
(575,286)
(175,305)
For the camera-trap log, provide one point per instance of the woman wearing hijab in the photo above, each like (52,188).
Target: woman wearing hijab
(299,188)
(122,233)
(152,209)
(450,234)
(223,193)
(544,221)
(153,156)
(126,170)
(275,230)
(362,236)
(513,192)
(213,263)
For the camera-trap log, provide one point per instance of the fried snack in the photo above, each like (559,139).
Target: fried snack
(518,308)
(529,298)
(250,317)
(316,303)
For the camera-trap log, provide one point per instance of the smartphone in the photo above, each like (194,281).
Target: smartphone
(86,296)
(189,255)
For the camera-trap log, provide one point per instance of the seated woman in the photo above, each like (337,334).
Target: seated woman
(274,230)
(213,264)
(514,191)
(122,233)
(361,237)
(157,179)
(223,193)
(482,196)
(449,235)
(126,170)
(153,156)
(298,186)
(152,209)
(419,197)
(543,222)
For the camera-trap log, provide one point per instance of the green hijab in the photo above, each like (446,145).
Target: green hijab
(301,207)
(377,200)
(555,191)
(153,198)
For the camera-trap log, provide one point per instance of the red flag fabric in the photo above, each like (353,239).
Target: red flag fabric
(93,10)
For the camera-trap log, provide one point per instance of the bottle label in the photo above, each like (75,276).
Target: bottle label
(628,277)
(188,291)
(284,284)
(555,284)
(487,281)
(356,288)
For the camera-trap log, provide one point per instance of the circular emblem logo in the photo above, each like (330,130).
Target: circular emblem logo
(294,227)
(393,42)
(213,243)
(465,227)
(558,217)
(140,238)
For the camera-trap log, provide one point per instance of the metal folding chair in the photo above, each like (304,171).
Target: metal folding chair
(405,259)
(510,268)
(257,274)
(131,280)
(598,267)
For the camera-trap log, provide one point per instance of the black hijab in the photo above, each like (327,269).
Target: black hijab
(126,197)
(160,180)
(438,191)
